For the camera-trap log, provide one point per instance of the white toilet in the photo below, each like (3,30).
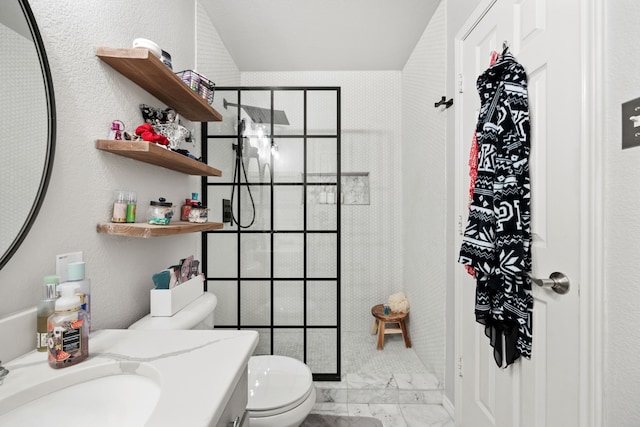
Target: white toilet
(281,390)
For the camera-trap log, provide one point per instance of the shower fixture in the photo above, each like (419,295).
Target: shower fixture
(286,244)
(275,152)
(260,115)
(243,149)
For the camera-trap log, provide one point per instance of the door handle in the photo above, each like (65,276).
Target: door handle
(558,282)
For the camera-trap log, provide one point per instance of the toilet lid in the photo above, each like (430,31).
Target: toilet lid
(277,384)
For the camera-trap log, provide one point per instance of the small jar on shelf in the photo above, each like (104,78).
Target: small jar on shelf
(160,212)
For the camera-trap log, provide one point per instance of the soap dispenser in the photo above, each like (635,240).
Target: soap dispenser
(68,336)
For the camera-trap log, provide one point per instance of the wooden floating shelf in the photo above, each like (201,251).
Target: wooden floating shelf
(149,72)
(144,230)
(152,153)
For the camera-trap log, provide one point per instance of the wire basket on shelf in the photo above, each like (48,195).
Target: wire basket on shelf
(199,83)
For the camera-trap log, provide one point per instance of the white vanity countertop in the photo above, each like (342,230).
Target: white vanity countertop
(197,370)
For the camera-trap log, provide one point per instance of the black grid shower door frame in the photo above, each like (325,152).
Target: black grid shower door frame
(206,138)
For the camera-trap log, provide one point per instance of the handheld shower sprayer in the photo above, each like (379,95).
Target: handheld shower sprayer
(243,149)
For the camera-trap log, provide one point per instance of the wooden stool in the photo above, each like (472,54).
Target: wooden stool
(380,323)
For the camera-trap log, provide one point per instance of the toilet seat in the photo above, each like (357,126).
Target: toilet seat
(277,384)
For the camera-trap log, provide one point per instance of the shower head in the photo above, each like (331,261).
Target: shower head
(261,115)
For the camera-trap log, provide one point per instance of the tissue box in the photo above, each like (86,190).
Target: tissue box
(167,302)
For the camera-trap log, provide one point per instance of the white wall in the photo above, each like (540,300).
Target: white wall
(424,149)
(89,95)
(622,228)
(371,234)
(212,57)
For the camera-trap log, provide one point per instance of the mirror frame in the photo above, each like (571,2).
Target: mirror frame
(51,134)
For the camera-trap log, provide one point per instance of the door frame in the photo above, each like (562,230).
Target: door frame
(591,288)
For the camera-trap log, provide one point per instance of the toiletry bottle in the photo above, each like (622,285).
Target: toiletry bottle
(68,336)
(131,207)
(76,276)
(331,196)
(46,307)
(184,211)
(120,207)
(323,195)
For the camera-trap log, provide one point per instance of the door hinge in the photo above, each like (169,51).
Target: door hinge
(460,84)
(460,225)
(460,373)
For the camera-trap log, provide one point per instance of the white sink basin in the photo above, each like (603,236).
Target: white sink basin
(93,401)
(132,378)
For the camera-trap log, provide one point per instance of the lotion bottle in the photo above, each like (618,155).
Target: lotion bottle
(76,276)
(46,307)
(68,332)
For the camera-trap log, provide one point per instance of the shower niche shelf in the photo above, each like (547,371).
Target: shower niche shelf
(144,230)
(153,154)
(149,72)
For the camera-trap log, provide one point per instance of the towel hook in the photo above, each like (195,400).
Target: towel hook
(444,102)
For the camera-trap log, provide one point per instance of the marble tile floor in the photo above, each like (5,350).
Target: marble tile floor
(391,385)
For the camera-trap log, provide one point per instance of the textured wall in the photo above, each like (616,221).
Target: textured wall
(424,192)
(622,229)
(212,58)
(371,234)
(89,95)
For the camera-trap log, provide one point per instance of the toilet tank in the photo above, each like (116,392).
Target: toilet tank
(196,315)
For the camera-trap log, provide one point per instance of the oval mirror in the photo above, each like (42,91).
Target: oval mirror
(27,137)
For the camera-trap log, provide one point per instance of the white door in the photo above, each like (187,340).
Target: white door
(544,36)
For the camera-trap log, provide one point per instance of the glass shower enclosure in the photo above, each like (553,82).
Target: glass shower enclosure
(275,267)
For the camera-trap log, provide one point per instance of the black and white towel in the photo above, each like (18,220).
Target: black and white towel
(497,239)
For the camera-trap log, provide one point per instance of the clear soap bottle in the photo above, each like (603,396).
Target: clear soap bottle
(68,335)
(120,207)
(46,307)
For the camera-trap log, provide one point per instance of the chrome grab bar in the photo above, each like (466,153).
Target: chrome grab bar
(558,282)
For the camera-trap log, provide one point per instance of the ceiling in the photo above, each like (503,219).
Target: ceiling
(320,35)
